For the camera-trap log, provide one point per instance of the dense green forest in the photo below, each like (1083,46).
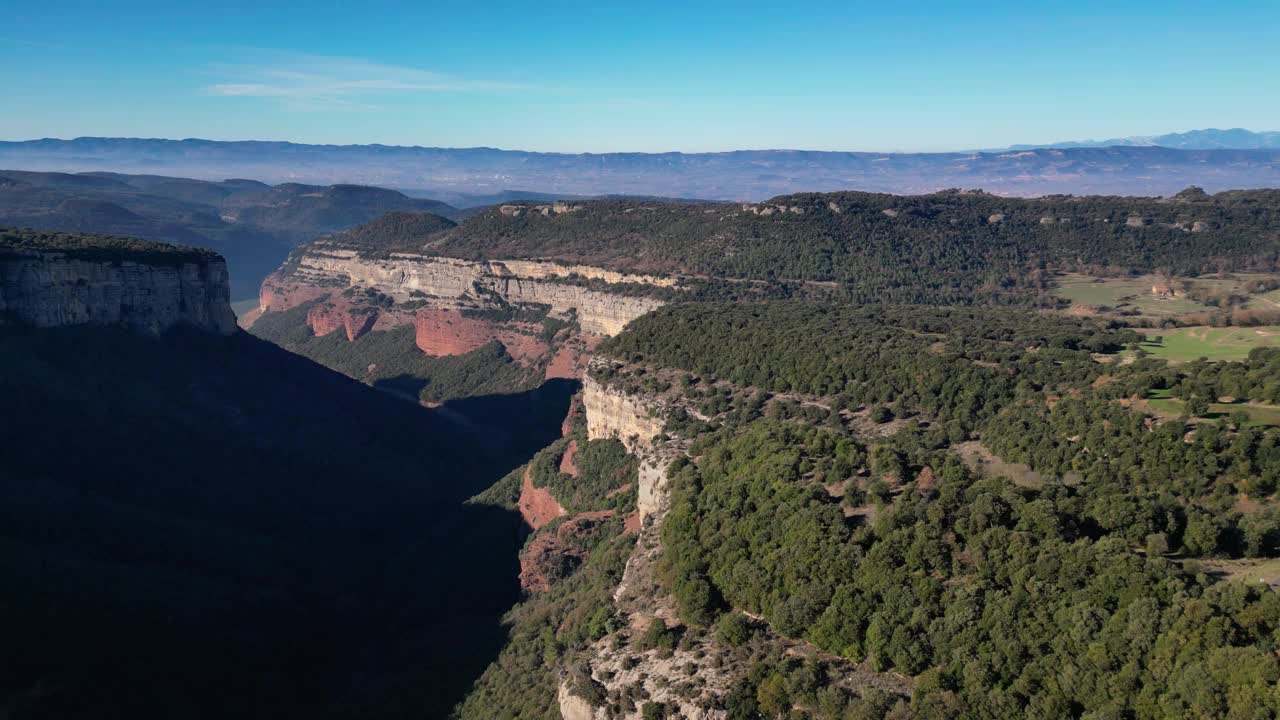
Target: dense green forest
(951,247)
(957,365)
(1077,594)
(1009,602)
(1257,379)
(102,248)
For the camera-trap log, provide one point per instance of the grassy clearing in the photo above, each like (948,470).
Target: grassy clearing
(975,455)
(1259,415)
(1228,343)
(1122,294)
(1251,571)
(1132,295)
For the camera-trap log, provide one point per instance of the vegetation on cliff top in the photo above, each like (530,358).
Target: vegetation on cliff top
(393,232)
(950,247)
(891,551)
(101,248)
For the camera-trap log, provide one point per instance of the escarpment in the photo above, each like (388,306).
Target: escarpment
(654,659)
(452,284)
(48,280)
(613,413)
(546,317)
(684,679)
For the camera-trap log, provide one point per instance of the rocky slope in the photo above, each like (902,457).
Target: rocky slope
(692,678)
(48,281)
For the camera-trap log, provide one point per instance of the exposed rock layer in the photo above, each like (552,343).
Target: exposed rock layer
(50,289)
(405,277)
(612,413)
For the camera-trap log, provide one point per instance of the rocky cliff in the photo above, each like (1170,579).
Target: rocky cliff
(613,413)
(449,282)
(616,677)
(548,317)
(664,677)
(147,286)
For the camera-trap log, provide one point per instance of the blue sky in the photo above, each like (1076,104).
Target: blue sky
(639,76)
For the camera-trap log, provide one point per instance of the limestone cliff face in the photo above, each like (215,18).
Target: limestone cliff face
(612,413)
(51,289)
(637,421)
(408,276)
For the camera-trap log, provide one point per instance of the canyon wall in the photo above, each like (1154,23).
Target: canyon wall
(405,277)
(612,413)
(48,288)
(613,661)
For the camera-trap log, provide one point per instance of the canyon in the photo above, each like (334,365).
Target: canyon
(547,317)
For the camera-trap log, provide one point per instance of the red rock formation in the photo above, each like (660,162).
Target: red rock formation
(537,506)
(276,296)
(323,320)
(631,525)
(567,465)
(548,550)
(356,321)
(564,364)
(448,332)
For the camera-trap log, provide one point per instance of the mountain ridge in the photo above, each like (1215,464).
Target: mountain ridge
(733,175)
(1204,139)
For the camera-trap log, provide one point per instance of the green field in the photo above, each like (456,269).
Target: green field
(1122,293)
(1228,343)
(1160,401)
(1133,294)
(1252,570)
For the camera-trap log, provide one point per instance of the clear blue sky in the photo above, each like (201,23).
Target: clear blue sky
(645,76)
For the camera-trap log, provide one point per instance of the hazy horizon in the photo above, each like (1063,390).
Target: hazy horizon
(579,77)
(1013,144)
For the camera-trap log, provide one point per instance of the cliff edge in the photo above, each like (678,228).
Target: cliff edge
(56,279)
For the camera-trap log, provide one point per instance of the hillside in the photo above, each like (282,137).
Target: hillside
(252,224)
(946,247)
(904,512)
(197,523)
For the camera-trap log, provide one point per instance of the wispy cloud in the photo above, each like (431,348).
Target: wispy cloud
(317,81)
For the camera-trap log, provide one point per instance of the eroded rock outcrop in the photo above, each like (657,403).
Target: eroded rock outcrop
(52,289)
(612,413)
(441,281)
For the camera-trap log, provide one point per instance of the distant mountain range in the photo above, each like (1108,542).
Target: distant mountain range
(1207,139)
(470,176)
